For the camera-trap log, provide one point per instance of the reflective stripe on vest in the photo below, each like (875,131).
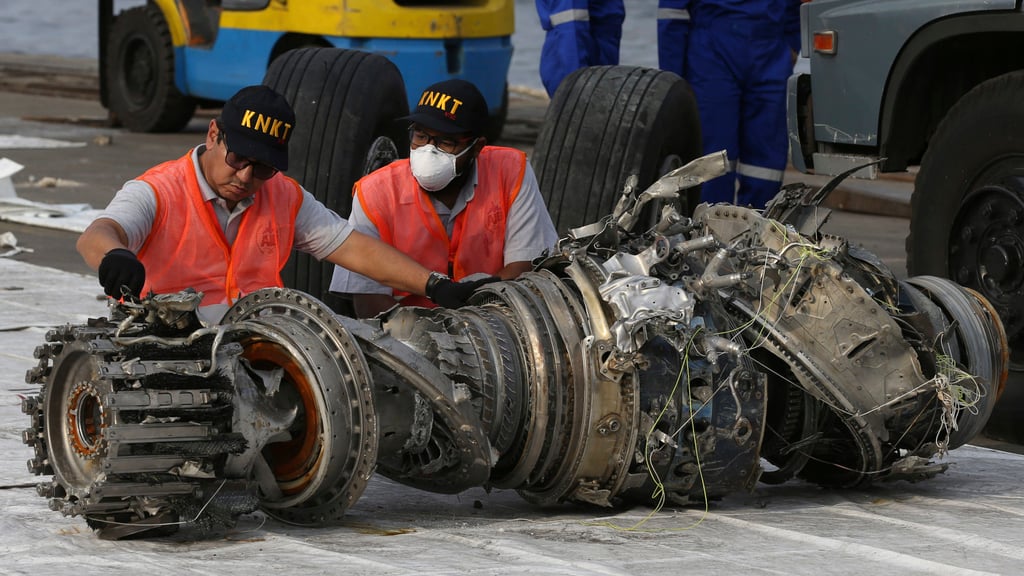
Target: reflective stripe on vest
(405,217)
(186,247)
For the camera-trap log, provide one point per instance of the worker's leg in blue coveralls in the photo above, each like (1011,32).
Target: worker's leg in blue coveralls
(717,90)
(763,150)
(580,33)
(673,32)
(606,17)
(567,42)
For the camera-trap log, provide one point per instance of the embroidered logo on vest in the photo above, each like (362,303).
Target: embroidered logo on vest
(267,239)
(494,218)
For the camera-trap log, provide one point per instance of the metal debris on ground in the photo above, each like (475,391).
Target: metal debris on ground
(9,245)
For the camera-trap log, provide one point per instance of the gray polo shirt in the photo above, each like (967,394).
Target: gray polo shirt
(528,231)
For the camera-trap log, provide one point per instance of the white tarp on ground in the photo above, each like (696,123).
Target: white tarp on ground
(969,520)
(72,217)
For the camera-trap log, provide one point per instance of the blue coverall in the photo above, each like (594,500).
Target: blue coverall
(737,56)
(580,33)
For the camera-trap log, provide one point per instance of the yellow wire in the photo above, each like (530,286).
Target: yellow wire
(659,488)
(805,253)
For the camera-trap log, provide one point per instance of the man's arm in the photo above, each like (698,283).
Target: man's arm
(381,262)
(125,223)
(102,236)
(368,297)
(104,247)
(108,245)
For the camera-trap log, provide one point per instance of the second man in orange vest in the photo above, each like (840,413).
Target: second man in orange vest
(457,206)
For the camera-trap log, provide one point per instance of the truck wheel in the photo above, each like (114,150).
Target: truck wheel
(344,100)
(604,124)
(140,73)
(967,216)
(969,199)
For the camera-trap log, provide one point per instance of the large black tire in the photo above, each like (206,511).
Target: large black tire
(140,73)
(604,124)
(967,216)
(343,101)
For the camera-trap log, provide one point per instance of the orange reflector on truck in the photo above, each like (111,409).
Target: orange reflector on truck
(825,42)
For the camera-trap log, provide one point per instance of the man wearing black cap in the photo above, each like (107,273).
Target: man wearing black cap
(223,220)
(457,206)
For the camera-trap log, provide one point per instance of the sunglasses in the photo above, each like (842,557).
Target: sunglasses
(420,138)
(259,169)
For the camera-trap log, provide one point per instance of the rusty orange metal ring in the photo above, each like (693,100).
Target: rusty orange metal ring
(295,461)
(85,421)
(1004,344)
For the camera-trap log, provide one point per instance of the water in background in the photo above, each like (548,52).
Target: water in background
(63,28)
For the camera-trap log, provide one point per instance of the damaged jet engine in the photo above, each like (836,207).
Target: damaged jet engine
(688,359)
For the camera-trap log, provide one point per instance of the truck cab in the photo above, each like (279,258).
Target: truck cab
(883,75)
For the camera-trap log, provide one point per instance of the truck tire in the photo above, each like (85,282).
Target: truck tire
(140,73)
(967,210)
(604,124)
(344,100)
(967,216)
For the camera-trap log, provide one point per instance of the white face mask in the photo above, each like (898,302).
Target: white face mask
(433,168)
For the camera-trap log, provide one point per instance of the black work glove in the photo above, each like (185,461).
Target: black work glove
(448,294)
(121,273)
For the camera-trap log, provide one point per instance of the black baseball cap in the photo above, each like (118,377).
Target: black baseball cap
(258,122)
(451,107)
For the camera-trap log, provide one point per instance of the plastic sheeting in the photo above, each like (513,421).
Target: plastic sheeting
(969,520)
(73,217)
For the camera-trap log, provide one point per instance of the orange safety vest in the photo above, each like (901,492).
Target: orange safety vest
(405,217)
(186,247)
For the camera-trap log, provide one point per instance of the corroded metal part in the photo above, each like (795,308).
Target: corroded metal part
(321,466)
(666,364)
(150,422)
(975,370)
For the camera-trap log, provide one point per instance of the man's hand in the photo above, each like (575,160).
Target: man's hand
(448,294)
(121,273)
